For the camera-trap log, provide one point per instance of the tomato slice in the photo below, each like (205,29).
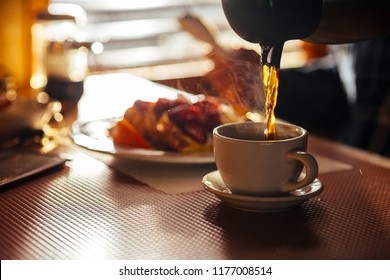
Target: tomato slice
(124,133)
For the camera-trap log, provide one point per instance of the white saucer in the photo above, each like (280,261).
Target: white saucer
(213,183)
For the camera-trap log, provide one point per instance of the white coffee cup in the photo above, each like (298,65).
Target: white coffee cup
(250,165)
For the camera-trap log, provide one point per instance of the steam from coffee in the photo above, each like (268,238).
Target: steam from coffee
(248,92)
(238,81)
(251,86)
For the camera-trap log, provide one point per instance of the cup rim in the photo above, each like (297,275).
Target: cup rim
(216,132)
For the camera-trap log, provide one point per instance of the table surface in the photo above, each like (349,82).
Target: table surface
(88,210)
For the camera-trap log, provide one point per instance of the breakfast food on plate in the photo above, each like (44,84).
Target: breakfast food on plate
(181,125)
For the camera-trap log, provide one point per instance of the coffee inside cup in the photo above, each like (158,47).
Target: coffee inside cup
(251,132)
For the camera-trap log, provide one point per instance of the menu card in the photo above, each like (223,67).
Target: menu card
(16,165)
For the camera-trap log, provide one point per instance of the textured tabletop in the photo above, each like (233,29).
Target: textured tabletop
(88,210)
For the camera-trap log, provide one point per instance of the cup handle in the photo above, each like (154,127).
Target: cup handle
(311,168)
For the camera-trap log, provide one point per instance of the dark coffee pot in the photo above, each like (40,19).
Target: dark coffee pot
(273,22)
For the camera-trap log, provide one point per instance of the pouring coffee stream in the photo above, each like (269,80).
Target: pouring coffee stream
(271,23)
(270,61)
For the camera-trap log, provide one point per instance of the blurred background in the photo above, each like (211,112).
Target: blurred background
(50,49)
(141,37)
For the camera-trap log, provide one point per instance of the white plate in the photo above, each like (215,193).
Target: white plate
(93,135)
(213,183)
